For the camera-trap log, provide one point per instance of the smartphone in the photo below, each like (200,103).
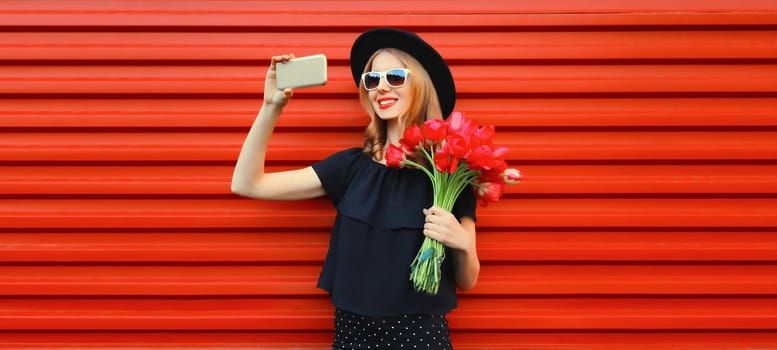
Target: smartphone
(301,72)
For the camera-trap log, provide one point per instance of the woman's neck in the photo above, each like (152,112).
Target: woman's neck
(393,132)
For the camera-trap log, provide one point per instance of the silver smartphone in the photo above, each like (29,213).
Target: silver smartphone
(301,72)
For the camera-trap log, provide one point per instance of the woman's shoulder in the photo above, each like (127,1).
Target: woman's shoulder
(349,154)
(341,158)
(337,170)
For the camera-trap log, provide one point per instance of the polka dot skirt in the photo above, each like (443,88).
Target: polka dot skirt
(354,331)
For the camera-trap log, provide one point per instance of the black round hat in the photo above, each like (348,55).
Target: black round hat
(379,38)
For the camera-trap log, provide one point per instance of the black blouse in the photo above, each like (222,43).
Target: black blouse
(377,233)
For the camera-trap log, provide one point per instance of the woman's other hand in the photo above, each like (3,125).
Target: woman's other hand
(443,227)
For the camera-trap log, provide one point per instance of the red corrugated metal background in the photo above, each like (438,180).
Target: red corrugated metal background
(647,131)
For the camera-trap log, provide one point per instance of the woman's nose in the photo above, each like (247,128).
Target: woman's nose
(383,85)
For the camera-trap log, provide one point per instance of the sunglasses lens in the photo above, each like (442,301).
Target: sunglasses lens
(371,80)
(395,78)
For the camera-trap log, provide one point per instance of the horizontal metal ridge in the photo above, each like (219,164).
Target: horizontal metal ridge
(502,78)
(508,213)
(222,248)
(454,46)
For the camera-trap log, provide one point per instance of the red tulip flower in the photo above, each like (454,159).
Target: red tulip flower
(435,130)
(445,162)
(483,135)
(394,156)
(490,191)
(457,124)
(412,138)
(457,145)
(512,176)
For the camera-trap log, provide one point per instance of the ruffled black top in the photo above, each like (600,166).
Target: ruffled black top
(377,233)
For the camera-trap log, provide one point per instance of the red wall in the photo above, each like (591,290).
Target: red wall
(647,131)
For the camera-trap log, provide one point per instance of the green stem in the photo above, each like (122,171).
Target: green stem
(419,166)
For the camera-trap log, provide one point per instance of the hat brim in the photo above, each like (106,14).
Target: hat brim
(373,40)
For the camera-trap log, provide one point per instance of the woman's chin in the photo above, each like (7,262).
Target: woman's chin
(387,117)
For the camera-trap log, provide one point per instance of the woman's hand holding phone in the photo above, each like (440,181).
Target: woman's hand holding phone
(272,95)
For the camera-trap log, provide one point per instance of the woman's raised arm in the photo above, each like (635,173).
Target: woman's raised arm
(249,178)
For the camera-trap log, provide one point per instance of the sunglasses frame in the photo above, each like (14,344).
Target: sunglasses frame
(383,77)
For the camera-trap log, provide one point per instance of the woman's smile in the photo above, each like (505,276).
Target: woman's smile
(386,102)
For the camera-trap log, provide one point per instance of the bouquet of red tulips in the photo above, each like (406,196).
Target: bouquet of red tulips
(460,154)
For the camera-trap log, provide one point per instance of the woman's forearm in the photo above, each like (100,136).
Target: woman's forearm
(467,268)
(250,163)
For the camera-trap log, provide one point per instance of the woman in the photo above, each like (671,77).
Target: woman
(381,211)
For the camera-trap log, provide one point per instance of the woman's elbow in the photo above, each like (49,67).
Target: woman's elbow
(254,191)
(240,190)
(467,285)
(469,281)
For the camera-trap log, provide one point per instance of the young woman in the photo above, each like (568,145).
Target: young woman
(383,213)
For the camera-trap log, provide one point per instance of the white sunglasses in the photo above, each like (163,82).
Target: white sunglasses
(395,78)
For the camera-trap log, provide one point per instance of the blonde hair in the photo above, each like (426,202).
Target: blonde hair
(424,103)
